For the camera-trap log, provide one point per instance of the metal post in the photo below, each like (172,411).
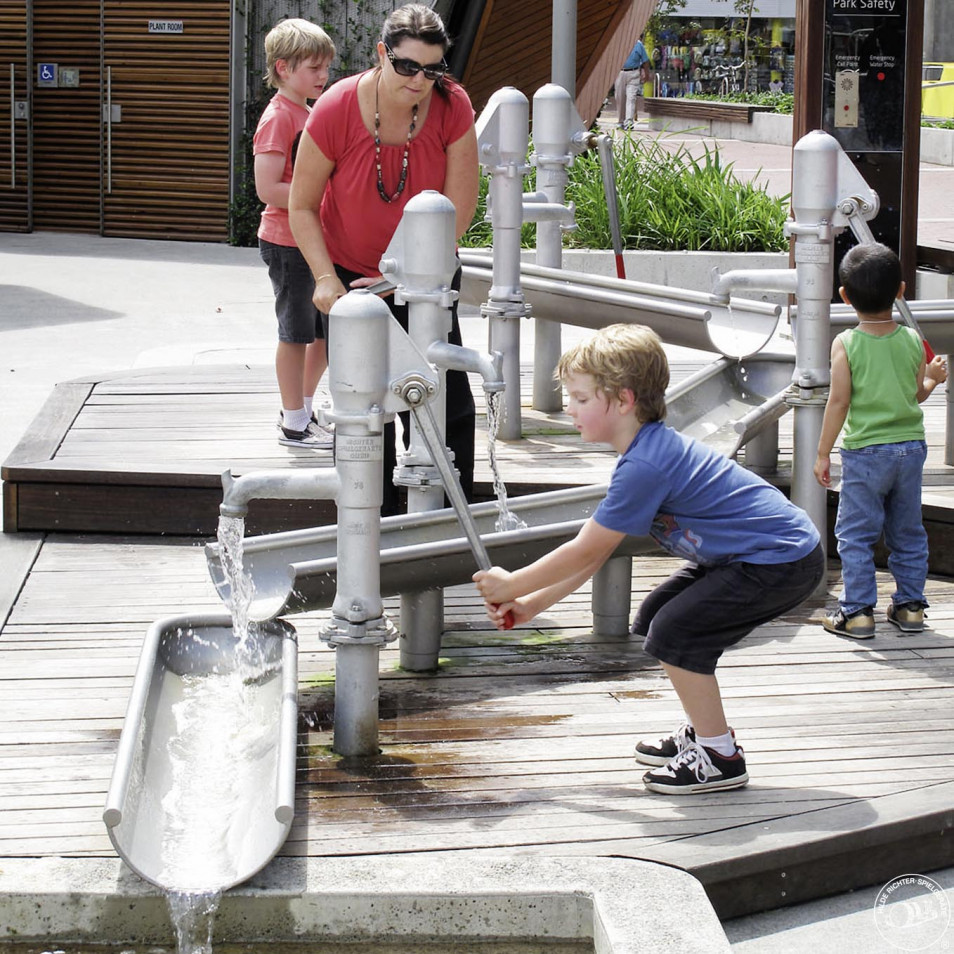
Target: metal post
(563,53)
(610,600)
(503,132)
(761,451)
(552,124)
(358,381)
(422,257)
(815,187)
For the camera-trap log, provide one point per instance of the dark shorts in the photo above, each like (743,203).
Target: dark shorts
(299,321)
(691,618)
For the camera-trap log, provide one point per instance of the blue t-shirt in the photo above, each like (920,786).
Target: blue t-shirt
(699,505)
(637,57)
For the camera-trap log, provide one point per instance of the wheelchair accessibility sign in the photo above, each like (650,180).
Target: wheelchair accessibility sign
(46,74)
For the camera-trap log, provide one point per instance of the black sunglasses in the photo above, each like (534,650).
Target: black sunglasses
(433,71)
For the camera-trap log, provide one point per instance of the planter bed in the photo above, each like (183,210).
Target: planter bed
(705,110)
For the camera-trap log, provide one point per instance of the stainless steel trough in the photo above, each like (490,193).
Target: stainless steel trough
(686,318)
(206,726)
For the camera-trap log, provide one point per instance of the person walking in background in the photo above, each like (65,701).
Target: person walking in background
(752,554)
(297,55)
(629,85)
(373,142)
(879,377)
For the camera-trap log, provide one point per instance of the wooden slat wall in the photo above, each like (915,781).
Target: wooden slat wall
(14,213)
(66,122)
(170,153)
(603,30)
(609,53)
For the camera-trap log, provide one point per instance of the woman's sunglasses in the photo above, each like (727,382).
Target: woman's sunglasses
(433,71)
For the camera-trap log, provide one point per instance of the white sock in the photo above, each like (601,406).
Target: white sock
(309,404)
(723,744)
(295,420)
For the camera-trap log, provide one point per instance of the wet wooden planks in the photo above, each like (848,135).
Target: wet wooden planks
(521,742)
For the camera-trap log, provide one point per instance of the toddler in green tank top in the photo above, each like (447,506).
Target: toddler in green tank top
(879,377)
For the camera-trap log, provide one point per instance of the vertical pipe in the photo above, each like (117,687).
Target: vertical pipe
(358,381)
(949,427)
(612,589)
(761,452)
(356,699)
(427,263)
(505,304)
(552,112)
(814,200)
(563,52)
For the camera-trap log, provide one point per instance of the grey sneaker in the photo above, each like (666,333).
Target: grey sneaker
(908,617)
(857,625)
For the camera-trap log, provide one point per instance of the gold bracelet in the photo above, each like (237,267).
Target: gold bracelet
(321,278)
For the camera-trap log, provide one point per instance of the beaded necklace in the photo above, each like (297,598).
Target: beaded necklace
(377,148)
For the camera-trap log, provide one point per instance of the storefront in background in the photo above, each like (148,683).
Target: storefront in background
(702,50)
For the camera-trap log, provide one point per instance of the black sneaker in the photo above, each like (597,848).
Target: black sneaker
(857,625)
(698,769)
(908,617)
(660,751)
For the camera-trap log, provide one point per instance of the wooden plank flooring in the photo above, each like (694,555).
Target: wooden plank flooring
(520,743)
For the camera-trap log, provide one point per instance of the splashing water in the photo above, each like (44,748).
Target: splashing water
(231,539)
(505,519)
(193,916)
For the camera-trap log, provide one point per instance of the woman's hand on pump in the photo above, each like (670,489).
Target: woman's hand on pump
(328,289)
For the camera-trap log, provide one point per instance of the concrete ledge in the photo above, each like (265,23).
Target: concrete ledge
(625,906)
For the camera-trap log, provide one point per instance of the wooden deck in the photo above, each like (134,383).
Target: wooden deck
(522,741)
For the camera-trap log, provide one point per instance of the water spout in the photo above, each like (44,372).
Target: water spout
(457,358)
(763,279)
(276,485)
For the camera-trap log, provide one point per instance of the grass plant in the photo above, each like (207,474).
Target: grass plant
(669,200)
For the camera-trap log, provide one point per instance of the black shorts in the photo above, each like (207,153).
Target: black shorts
(299,321)
(691,618)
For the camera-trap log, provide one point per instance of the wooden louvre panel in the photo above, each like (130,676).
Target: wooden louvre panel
(497,61)
(14,158)
(169,158)
(66,121)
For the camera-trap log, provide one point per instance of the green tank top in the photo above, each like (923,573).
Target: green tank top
(884,388)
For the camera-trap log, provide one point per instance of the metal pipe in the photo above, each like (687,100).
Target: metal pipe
(608,173)
(312,484)
(503,131)
(766,279)
(552,128)
(356,699)
(611,596)
(563,53)
(458,358)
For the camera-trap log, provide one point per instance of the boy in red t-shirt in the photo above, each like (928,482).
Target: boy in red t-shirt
(298,55)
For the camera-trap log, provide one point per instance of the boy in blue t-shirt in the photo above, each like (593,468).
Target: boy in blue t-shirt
(879,377)
(752,554)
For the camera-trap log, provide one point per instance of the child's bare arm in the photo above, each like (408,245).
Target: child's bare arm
(836,410)
(930,376)
(553,576)
(269,171)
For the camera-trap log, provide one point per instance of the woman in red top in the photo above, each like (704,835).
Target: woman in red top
(372,142)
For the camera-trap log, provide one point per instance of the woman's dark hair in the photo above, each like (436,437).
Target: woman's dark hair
(871,277)
(414,21)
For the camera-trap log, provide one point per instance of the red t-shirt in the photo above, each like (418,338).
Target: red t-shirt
(278,129)
(356,221)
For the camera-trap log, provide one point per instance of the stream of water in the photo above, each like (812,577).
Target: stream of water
(505,519)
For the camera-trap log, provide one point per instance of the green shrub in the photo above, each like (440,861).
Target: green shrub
(668,200)
(780,102)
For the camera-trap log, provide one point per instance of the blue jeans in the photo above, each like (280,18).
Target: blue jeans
(881,490)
